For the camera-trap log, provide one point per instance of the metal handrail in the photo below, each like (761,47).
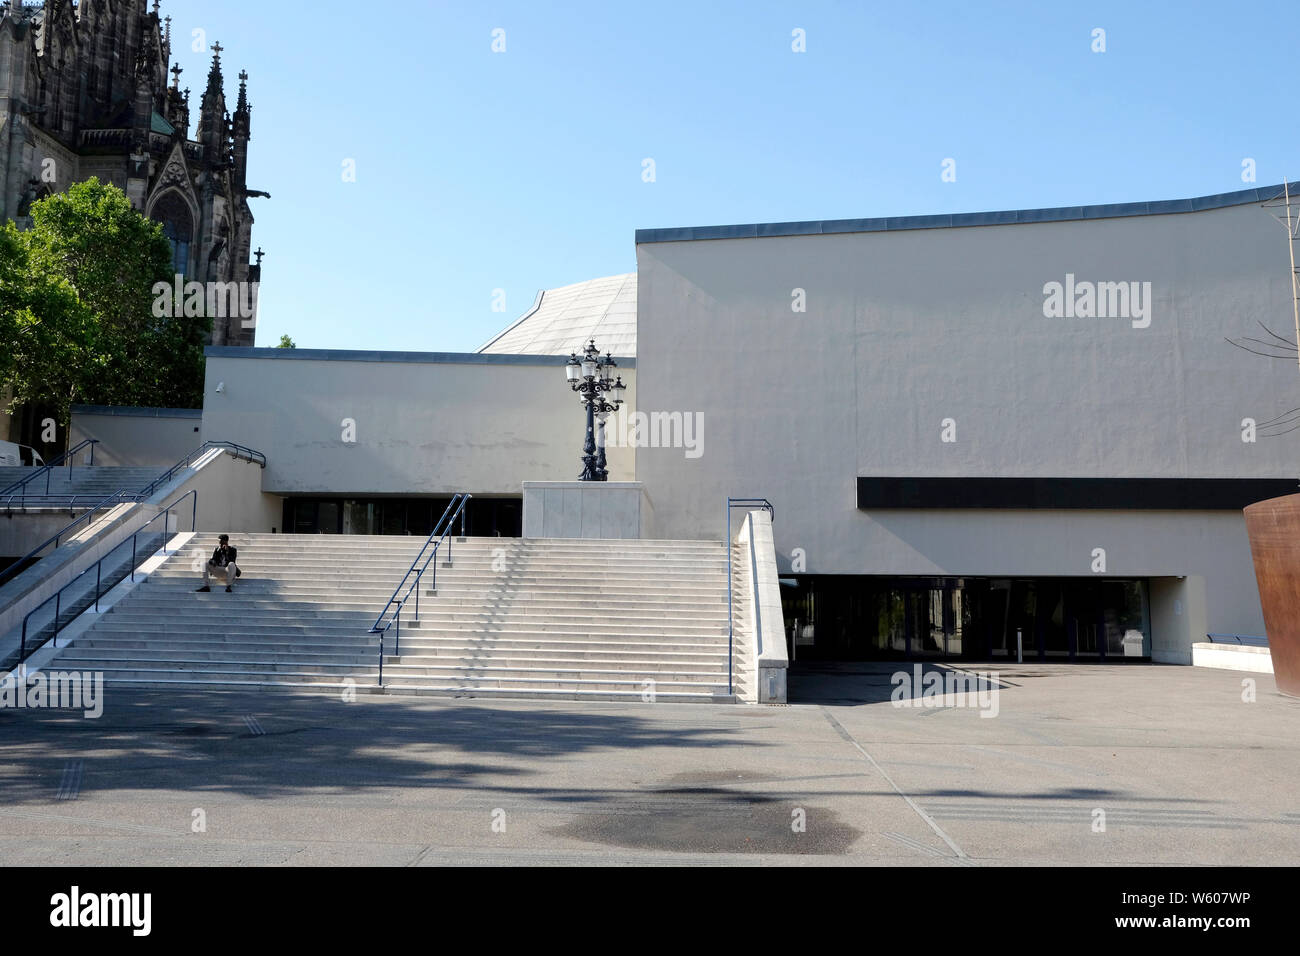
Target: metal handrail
(194,523)
(236,450)
(455,508)
(731,630)
(48,469)
(57,596)
(102,505)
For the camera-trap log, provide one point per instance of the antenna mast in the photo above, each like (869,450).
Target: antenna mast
(1292,223)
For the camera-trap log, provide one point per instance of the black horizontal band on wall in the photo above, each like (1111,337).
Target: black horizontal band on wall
(1139,494)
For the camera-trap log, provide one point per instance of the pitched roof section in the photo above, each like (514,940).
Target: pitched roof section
(562,320)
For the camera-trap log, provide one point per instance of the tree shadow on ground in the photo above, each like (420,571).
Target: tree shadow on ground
(284,744)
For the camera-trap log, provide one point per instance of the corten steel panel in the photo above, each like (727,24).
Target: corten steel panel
(1274,529)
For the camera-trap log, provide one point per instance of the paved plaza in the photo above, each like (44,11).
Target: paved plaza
(1082,765)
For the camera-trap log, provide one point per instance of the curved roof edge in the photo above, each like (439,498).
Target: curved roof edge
(537,304)
(1007,217)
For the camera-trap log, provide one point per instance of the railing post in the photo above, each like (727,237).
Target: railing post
(397,641)
(417,592)
(58,604)
(98,565)
(381,658)
(133,537)
(731,636)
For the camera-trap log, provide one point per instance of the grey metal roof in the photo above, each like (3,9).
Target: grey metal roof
(353,355)
(1007,217)
(137,412)
(562,320)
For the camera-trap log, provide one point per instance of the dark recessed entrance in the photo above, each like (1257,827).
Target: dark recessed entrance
(862,617)
(484,517)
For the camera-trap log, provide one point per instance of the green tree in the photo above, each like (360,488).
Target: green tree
(286,343)
(46,332)
(79,314)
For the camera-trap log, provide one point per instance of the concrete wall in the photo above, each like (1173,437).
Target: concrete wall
(584,509)
(20,532)
(231,499)
(906,327)
(425,423)
(1178,618)
(765,621)
(137,436)
(1233,657)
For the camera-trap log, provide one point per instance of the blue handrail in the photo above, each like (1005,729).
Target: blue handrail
(20,487)
(738,503)
(455,508)
(237,450)
(117,498)
(57,596)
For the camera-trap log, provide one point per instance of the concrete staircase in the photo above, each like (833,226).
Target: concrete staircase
(75,488)
(608,619)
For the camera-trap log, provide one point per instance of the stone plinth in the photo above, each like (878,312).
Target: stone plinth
(584,509)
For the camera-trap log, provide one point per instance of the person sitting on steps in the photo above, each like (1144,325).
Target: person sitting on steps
(223,558)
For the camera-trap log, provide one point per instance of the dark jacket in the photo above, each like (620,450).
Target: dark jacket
(223,556)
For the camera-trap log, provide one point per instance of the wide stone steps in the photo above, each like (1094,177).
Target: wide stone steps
(570,691)
(149,603)
(641,661)
(466,678)
(554,619)
(494,670)
(636,657)
(78,487)
(376,597)
(682,632)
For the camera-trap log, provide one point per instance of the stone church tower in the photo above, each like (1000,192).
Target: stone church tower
(84,92)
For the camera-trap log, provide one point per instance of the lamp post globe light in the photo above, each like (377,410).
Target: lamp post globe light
(593,378)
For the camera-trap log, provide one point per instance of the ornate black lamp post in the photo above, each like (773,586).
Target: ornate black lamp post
(592,377)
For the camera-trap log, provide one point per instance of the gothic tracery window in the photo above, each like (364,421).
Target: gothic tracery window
(178,227)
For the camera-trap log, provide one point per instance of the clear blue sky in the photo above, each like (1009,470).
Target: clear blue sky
(523,170)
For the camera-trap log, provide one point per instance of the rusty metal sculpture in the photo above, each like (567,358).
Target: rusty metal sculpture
(1274,529)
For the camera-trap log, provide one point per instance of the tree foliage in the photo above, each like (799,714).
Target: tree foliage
(77,321)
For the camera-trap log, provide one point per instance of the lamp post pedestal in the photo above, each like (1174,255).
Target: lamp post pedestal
(585,509)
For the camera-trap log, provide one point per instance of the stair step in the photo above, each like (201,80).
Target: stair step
(559,619)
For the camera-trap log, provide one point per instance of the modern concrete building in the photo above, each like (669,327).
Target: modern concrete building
(975,430)
(973,425)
